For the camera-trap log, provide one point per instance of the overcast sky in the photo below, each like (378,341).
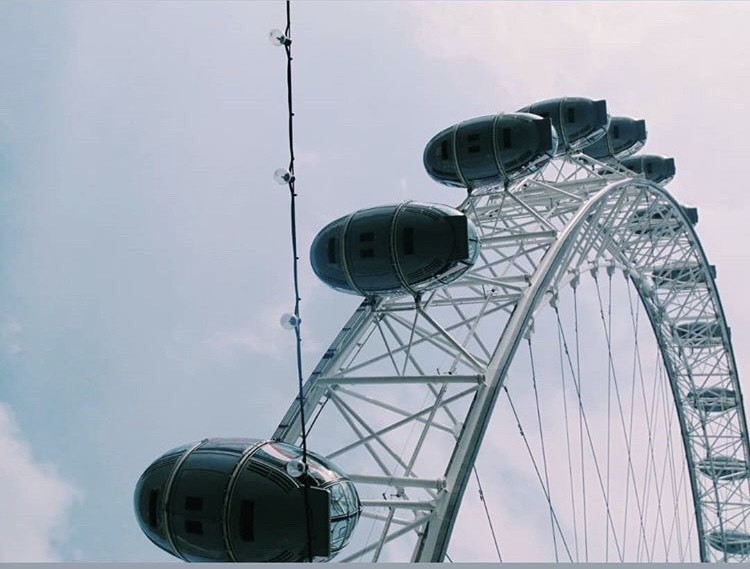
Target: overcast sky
(145,247)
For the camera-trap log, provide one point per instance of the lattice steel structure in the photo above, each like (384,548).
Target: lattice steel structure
(403,396)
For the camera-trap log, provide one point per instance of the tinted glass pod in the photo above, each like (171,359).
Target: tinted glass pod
(661,219)
(238,500)
(625,137)
(713,399)
(700,333)
(731,542)
(490,150)
(579,122)
(655,168)
(395,249)
(724,468)
(687,275)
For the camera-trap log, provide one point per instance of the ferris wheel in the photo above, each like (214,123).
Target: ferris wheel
(646,444)
(547,363)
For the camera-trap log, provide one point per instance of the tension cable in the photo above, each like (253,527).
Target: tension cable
(286,176)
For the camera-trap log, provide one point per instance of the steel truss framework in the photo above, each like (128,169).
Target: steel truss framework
(380,376)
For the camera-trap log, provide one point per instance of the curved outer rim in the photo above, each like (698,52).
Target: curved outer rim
(721,316)
(693,469)
(671,373)
(436,536)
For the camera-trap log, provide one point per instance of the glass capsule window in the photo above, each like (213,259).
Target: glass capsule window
(351,495)
(632,136)
(325,255)
(475,146)
(439,159)
(150,494)
(196,502)
(579,121)
(571,114)
(599,149)
(344,501)
(474,245)
(345,512)
(341,531)
(339,503)
(522,134)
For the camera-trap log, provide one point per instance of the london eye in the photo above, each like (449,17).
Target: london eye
(566,308)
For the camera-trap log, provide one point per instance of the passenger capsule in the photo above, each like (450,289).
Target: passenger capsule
(656,168)
(724,468)
(579,122)
(395,249)
(241,500)
(490,150)
(730,542)
(682,275)
(661,219)
(700,333)
(625,136)
(713,399)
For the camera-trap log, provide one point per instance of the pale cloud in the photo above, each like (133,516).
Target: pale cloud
(308,158)
(544,49)
(264,335)
(403,189)
(10,331)
(231,342)
(35,499)
(273,343)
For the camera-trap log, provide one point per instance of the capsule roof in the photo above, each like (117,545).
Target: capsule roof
(625,136)
(490,150)
(579,122)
